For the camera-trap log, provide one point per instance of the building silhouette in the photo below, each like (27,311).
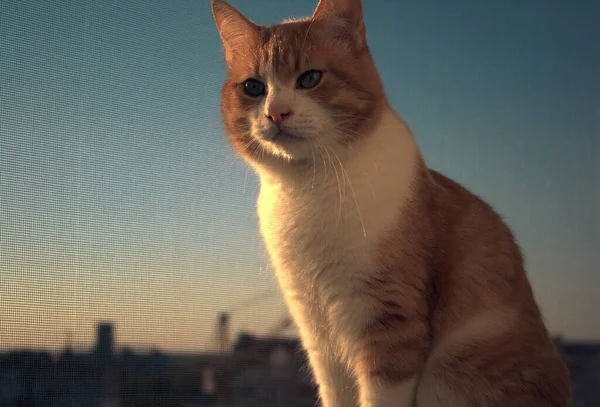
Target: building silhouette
(104,341)
(250,371)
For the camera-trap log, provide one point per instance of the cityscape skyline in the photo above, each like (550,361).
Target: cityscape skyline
(121,200)
(276,365)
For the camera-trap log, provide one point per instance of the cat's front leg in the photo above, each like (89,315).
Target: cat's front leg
(337,385)
(337,388)
(387,393)
(387,376)
(388,353)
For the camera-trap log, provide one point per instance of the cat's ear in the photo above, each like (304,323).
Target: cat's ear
(345,17)
(238,34)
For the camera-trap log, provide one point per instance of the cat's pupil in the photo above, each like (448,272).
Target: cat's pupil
(309,79)
(254,87)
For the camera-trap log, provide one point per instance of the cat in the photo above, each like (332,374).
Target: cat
(406,288)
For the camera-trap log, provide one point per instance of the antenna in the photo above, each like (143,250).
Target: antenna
(223,333)
(68,341)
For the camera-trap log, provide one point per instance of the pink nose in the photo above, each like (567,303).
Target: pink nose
(278,113)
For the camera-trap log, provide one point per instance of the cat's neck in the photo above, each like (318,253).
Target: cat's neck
(386,159)
(347,205)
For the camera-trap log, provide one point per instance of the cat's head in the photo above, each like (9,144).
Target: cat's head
(299,87)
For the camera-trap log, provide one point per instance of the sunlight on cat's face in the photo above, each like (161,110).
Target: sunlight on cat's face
(285,119)
(299,89)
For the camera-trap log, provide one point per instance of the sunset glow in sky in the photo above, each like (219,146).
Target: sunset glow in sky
(121,200)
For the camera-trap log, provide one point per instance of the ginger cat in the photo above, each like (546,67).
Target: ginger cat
(407,289)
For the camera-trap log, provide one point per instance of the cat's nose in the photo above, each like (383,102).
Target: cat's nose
(278,113)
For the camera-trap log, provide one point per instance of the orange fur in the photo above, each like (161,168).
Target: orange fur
(352,90)
(447,299)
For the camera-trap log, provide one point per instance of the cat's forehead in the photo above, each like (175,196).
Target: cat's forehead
(287,49)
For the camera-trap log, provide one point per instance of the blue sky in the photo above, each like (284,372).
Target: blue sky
(121,200)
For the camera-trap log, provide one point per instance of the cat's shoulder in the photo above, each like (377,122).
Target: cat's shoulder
(457,205)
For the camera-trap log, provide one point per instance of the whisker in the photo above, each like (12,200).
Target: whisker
(339,187)
(314,163)
(325,169)
(348,132)
(353,194)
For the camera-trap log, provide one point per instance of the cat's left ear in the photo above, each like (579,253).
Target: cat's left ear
(238,34)
(345,17)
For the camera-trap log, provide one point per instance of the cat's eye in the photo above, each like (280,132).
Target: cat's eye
(254,87)
(309,79)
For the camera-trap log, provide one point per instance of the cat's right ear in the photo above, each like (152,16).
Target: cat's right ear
(238,34)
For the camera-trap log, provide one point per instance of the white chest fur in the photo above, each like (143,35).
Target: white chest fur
(322,229)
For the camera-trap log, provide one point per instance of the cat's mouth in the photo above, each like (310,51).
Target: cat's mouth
(284,138)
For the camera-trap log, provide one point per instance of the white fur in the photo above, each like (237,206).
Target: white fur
(321,225)
(398,395)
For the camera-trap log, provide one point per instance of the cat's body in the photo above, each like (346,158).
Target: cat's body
(337,258)
(403,284)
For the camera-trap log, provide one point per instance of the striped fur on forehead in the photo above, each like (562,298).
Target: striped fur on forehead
(285,49)
(282,49)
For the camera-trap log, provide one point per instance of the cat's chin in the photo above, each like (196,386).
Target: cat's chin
(288,146)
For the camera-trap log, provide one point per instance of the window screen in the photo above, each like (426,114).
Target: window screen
(132,272)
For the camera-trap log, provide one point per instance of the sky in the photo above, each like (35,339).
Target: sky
(121,199)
